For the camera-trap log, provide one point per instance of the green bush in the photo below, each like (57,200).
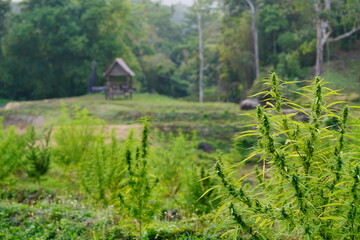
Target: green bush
(179,165)
(90,156)
(289,66)
(37,154)
(136,188)
(76,131)
(65,220)
(12,148)
(101,168)
(309,185)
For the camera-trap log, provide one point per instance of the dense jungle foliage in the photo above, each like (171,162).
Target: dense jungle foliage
(47,47)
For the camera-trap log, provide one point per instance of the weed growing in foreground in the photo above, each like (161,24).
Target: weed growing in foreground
(37,154)
(309,185)
(136,189)
(12,149)
(77,130)
(100,171)
(179,183)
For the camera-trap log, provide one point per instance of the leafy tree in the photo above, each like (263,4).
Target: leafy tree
(51,45)
(273,22)
(159,70)
(158,38)
(236,57)
(4,10)
(167,47)
(201,26)
(327,14)
(254,31)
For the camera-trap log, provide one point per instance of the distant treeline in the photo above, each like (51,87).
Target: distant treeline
(47,46)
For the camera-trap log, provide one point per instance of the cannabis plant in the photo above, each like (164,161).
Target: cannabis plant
(75,133)
(135,193)
(12,147)
(180,165)
(37,154)
(100,171)
(308,185)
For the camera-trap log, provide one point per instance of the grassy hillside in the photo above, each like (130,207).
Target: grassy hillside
(345,76)
(58,206)
(214,122)
(343,72)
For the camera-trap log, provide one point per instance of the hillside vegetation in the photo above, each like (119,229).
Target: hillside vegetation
(48,48)
(215,122)
(77,176)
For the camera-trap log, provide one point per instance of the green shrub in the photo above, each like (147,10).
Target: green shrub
(100,170)
(136,188)
(37,154)
(309,185)
(76,131)
(289,66)
(63,220)
(179,165)
(12,147)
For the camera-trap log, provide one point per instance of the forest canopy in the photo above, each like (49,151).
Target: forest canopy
(48,46)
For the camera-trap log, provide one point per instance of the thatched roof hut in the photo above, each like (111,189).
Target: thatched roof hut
(119,68)
(118,87)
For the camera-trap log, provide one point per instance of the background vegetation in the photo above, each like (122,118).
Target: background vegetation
(47,47)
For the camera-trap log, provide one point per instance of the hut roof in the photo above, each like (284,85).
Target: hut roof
(119,68)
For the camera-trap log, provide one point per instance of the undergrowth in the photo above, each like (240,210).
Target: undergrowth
(92,184)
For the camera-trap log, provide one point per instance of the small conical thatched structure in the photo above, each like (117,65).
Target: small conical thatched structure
(116,87)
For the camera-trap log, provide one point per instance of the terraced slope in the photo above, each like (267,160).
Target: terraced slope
(214,122)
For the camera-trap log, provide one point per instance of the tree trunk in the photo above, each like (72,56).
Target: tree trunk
(319,49)
(92,77)
(255,37)
(323,32)
(201,58)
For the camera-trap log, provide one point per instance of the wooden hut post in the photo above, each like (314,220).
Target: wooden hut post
(107,90)
(130,87)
